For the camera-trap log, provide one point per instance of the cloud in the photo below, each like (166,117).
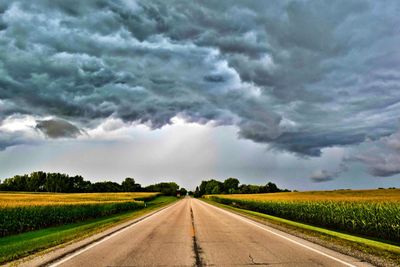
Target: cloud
(322,176)
(55,128)
(18,130)
(299,76)
(382,157)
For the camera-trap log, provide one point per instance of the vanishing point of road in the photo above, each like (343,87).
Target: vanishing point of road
(194,233)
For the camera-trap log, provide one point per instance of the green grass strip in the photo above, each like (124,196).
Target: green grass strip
(357,239)
(18,246)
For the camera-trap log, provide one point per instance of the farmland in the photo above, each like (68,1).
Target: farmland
(373,213)
(22,212)
(46,199)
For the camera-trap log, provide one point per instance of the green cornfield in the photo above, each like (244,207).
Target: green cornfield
(23,212)
(376,219)
(14,220)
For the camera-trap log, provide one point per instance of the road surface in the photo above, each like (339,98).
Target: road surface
(194,233)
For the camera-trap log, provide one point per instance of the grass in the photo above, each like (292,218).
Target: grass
(17,246)
(378,252)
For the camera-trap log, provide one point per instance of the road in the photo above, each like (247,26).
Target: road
(194,233)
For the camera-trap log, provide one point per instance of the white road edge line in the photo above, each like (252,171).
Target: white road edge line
(282,236)
(62,260)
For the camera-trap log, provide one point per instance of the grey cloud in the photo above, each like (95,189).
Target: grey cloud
(380,165)
(17,137)
(322,176)
(11,139)
(327,67)
(381,157)
(55,128)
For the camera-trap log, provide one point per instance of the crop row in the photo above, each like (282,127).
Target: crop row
(14,220)
(375,219)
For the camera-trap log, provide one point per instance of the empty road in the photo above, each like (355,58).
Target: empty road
(194,233)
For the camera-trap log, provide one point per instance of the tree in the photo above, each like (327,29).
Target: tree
(231,185)
(106,186)
(183,191)
(202,189)
(197,192)
(271,188)
(16,183)
(166,188)
(129,185)
(79,185)
(216,190)
(211,186)
(36,181)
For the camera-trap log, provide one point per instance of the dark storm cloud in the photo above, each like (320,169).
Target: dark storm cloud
(57,128)
(298,75)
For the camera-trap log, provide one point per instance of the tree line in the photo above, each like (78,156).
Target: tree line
(63,183)
(233,186)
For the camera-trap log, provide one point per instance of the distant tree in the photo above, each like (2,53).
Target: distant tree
(129,185)
(271,188)
(63,183)
(197,192)
(106,186)
(231,185)
(213,186)
(216,190)
(16,183)
(202,188)
(79,185)
(166,188)
(36,181)
(58,182)
(183,191)
(243,189)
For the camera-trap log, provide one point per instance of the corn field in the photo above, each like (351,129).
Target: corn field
(378,219)
(22,212)
(46,199)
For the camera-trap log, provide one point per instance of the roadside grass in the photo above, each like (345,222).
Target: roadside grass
(378,252)
(21,245)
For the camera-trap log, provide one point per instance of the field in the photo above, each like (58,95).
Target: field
(22,212)
(373,213)
(46,199)
(376,195)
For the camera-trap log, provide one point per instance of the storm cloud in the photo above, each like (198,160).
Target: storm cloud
(57,128)
(299,76)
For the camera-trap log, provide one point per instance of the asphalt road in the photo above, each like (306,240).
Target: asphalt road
(194,233)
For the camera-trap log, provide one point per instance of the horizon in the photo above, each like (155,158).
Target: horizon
(191,189)
(302,94)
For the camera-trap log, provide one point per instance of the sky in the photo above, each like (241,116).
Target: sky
(305,94)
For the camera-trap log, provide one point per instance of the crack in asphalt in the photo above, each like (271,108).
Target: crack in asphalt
(196,247)
(256,263)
